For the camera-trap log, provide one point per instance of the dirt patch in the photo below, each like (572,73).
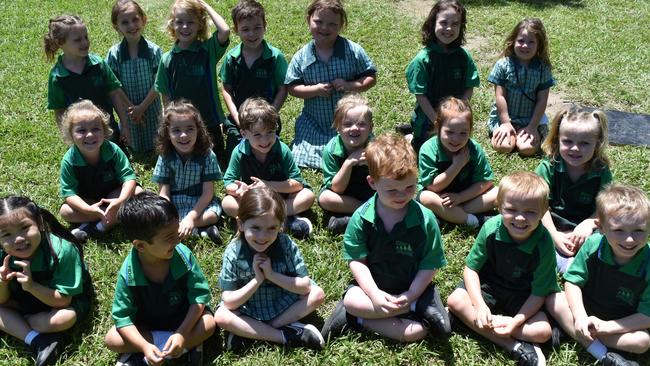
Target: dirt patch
(416,9)
(556,101)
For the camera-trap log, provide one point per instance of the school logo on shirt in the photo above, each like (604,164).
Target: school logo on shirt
(403,248)
(584,197)
(175,298)
(626,295)
(457,74)
(194,70)
(261,74)
(517,271)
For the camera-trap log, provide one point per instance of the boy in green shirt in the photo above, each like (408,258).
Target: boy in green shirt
(509,271)
(159,306)
(606,298)
(394,249)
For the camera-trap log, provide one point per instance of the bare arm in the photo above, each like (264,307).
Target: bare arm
(219,22)
(284,186)
(204,200)
(426,106)
(297,285)
(78,204)
(280,97)
(362,275)
(467,95)
(502,104)
(226,92)
(233,300)
(164,190)
(473,191)
(540,108)
(422,279)
(310,91)
(444,179)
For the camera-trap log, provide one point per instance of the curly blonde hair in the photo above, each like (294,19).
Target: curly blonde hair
(195,9)
(83,110)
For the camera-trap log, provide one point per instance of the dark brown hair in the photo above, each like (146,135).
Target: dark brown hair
(428,30)
(335,6)
(57,32)
(536,27)
(121,6)
(260,200)
(246,9)
(173,109)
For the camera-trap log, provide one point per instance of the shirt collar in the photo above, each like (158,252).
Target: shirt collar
(502,235)
(105,153)
(194,47)
(560,166)
(143,50)
(606,255)
(339,50)
(247,149)
(266,51)
(60,71)
(179,264)
(435,47)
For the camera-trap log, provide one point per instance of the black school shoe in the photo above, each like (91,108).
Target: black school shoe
(338,322)
(524,354)
(131,359)
(46,348)
(429,307)
(195,356)
(337,225)
(615,359)
(302,335)
(212,232)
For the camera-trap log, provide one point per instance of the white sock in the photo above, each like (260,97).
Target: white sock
(30,337)
(472,220)
(597,349)
(100,227)
(284,339)
(359,320)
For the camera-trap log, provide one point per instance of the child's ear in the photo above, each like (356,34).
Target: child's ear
(371,182)
(240,224)
(139,244)
(598,226)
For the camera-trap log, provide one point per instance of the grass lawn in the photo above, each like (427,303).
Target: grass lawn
(600,56)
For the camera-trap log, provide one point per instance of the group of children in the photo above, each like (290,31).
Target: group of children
(386,194)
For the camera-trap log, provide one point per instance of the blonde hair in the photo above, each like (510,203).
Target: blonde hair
(451,107)
(551,145)
(525,185)
(86,110)
(391,156)
(57,32)
(622,200)
(536,27)
(347,102)
(195,9)
(257,111)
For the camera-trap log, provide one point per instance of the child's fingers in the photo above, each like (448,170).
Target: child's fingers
(23,264)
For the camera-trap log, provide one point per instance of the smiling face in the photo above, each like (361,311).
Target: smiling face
(20,237)
(521,215)
(260,231)
(87,132)
(626,234)
(355,128)
(251,32)
(454,133)
(130,24)
(325,26)
(525,46)
(393,193)
(447,26)
(162,244)
(260,138)
(186,27)
(577,143)
(183,133)
(76,44)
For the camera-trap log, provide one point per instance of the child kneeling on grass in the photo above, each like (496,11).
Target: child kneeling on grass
(509,271)
(394,249)
(159,306)
(606,298)
(266,289)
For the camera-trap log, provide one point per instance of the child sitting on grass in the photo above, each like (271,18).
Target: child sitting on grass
(394,249)
(345,172)
(509,272)
(96,176)
(266,288)
(262,159)
(159,306)
(606,298)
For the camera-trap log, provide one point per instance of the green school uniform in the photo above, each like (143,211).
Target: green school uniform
(64,272)
(192,74)
(159,306)
(503,263)
(610,291)
(94,181)
(433,160)
(572,202)
(278,166)
(394,258)
(334,156)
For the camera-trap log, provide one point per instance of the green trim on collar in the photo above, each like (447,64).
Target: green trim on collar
(411,219)
(502,235)
(105,154)
(266,51)
(143,50)
(60,71)
(560,166)
(179,265)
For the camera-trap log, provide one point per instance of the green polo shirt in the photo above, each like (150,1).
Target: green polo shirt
(95,83)
(394,258)
(433,160)
(578,272)
(192,74)
(137,299)
(334,155)
(262,79)
(94,181)
(278,166)
(574,201)
(420,76)
(516,266)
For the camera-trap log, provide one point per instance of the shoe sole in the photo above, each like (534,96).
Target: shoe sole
(541,359)
(313,329)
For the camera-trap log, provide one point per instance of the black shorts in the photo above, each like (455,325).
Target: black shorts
(501,300)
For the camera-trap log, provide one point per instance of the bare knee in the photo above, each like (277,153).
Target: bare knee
(415,333)
(223,317)
(113,340)
(66,211)
(230,206)
(640,344)
(316,295)
(209,325)
(457,300)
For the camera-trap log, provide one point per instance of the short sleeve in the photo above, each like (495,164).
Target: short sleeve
(330,166)
(211,170)
(417,76)
(68,273)
(68,179)
(112,82)
(55,94)
(229,276)
(546,77)
(482,169)
(157,56)
(123,170)
(295,69)
(226,71)
(478,254)
(281,67)
(545,275)
(355,238)
(364,65)
(293,256)
(472,78)
(198,289)
(111,60)
(216,49)
(545,170)
(578,271)
(290,167)
(644,302)
(428,165)
(123,309)
(605,177)
(162,172)
(162,78)
(233,172)
(434,254)
(498,75)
